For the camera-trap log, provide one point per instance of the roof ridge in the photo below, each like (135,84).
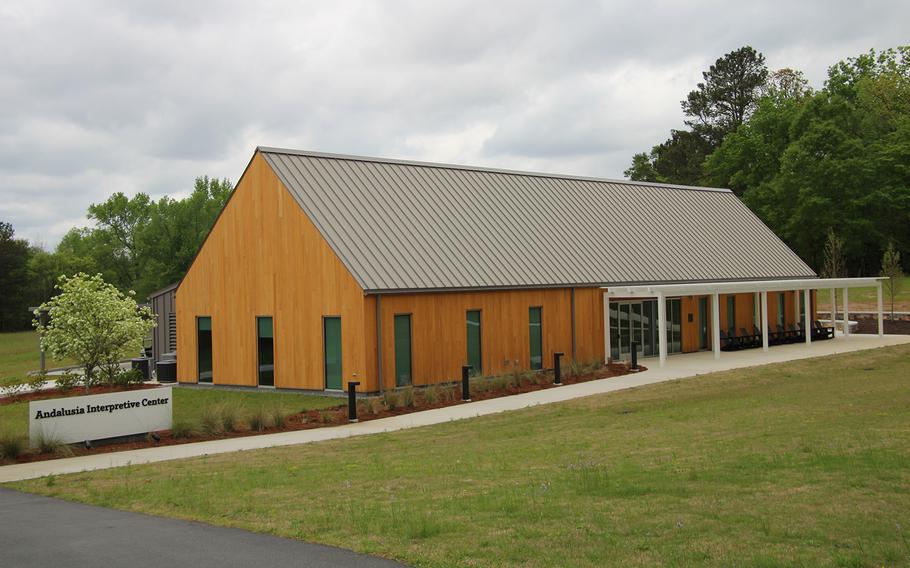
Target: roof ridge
(438,165)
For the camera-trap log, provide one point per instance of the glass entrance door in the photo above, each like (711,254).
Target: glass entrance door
(636,322)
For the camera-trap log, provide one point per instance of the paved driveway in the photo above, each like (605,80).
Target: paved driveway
(38,532)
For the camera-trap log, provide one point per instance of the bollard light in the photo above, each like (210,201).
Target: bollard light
(352,401)
(634,356)
(557,368)
(465,383)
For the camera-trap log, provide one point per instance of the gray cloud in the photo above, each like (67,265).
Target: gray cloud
(136,96)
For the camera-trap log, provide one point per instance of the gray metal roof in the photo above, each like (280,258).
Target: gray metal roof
(401,225)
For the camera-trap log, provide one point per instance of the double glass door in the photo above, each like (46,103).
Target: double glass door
(636,322)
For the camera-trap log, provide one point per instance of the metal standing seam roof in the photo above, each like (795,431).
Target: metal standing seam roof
(399,225)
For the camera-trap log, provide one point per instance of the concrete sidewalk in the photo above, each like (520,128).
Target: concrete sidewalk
(678,367)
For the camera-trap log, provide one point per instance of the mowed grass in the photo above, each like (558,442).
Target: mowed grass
(19,355)
(191,403)
(866,299)
(801,464)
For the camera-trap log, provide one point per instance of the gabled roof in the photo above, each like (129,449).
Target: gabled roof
(399,225)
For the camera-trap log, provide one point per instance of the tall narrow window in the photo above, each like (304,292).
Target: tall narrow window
(331,335)
(536,332)
(403,350)
(731,314)
(266,358)
(475,358)
(204,349)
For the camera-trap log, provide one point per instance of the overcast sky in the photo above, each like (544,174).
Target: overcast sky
(99,97)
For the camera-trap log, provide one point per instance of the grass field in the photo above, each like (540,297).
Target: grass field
(191,403)
(803,464)
(866,299)
(19,355)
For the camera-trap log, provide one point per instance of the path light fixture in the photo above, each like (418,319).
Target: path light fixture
(465,383)
(352,400)
(557,368)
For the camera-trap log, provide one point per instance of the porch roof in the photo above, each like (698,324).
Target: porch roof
(704,288)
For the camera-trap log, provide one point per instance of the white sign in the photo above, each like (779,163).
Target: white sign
(99,416)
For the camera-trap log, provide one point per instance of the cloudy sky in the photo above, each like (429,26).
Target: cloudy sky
(99,97)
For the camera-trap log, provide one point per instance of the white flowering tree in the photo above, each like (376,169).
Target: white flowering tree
(93,323)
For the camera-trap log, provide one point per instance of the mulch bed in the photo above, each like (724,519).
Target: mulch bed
(334,416)
(897,327)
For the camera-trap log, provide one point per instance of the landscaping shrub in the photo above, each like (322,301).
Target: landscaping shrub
(259,419)
(68,380)
(210,421)
(390,399)
(407,397)
(184,429)
(431,394)
(279,417)
(125,378)
(12,390)
(11,445)
(50,444)
(230,416)
(376,405)
(35,382)
(500,383)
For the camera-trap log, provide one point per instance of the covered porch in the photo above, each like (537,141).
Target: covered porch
(657,296)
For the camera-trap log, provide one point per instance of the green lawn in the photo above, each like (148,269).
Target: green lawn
(866,299)
(19,355)
(803,464)
(191,403)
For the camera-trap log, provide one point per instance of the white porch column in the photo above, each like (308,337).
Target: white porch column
(606,326)
(662,328)
(807,318)
(881,322)
(846,313)
(833,307)
(715,324)
(764,321)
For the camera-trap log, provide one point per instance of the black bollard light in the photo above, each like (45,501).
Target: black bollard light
(557,368)
(634,356)
(465,383)
(352,401)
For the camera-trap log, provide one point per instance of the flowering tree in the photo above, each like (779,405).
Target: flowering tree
(94,323)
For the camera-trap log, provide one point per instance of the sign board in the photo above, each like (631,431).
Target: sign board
(99,416)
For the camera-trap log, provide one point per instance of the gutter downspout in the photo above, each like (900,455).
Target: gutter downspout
(379,341)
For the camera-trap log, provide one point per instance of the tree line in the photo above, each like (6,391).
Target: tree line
(135,244)
(808,163)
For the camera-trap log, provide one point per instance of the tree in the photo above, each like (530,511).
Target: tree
(834,265)
(94,323)
(120,219)
(728,95)
(891,268)
(677,160)
(14,285)
(642,168)
(786,85)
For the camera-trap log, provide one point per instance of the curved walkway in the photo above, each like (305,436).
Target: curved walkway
(678,367)
(39,531)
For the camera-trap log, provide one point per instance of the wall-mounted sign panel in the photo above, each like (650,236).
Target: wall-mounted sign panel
(99,416)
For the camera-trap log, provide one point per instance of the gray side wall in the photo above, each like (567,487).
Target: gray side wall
(164,337)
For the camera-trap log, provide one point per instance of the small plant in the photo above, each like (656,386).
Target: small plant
(184,429)
(50,480)
(363,408)
(390,400)
(68,380)
(279,417)
(259,419)
(230,417)
(407,397)
(36,382)
(431,394)
(376,406)
(125,378)
(327,416)
(210,421)
(50,444)
(11,445)
(501,383)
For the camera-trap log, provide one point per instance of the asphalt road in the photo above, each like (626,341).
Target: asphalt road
(38,531)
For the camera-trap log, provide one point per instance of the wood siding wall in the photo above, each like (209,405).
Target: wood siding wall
(264,257)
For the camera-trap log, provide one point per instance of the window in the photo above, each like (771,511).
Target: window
(204,349)
(731,314)
(475,359)
(703,322)
(536,332)
(266,342)
(331,337)
(674,325)
(403,350)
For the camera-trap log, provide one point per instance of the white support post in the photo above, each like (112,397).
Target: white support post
(764,321)
(846,313)
(606,326)
(833,308)
(807,318)
(662,328)
(881,321)
(715,324)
